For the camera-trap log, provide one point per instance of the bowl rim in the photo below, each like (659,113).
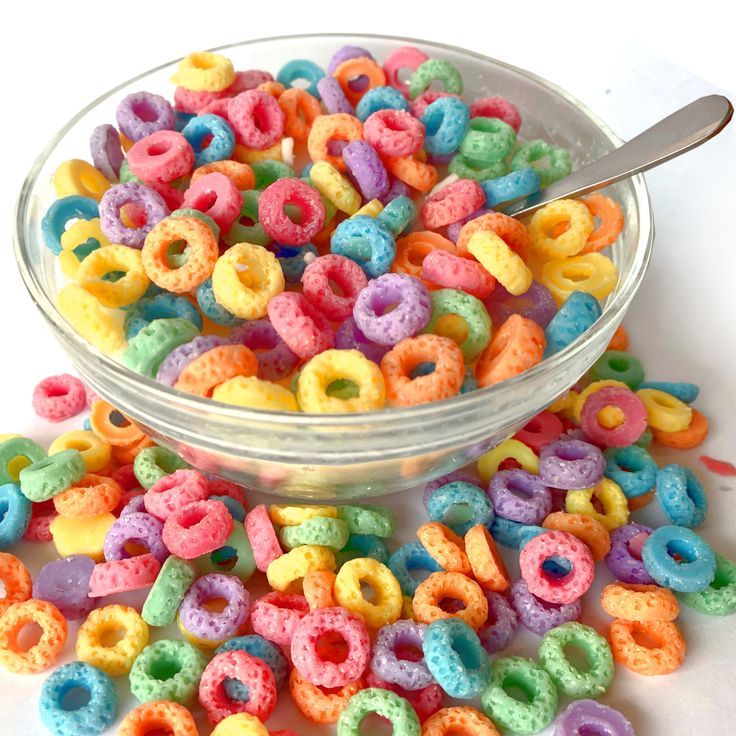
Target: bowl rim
(612,312)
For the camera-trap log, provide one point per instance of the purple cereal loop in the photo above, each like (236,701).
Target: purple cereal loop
(333,97)
(411,315)
(142,113)
(65,583)
(500,626)
(619,560)
(587,717)
(539,616)
(385,662)
(349,337)
(179,358)
(275,360)
(344,53)
(366,169)
(106,151)
(134,506)
(532,509)
(139,528)
(209,624)
(537,304)
(454,228)
(464,475)
(397,188)
(571,465)
(131,193)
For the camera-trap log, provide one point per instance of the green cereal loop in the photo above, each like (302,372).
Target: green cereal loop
(324,532)
(383,702)
(269,171)
(515,715)
(17,447)
(330,207)
(435,69)
(461,167)
(153,463)
(146,351)
(645,440)
(127,175)
(471,310)
(377,521)
(197,215)
(167,670)
(254,234)
(719,598)
(618,365)
(590,683)
(487,141)
(51,475)
(560,163)
(172,582)
(235,557)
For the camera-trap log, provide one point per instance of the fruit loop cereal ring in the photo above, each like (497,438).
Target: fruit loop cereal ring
(16,581)
(332,533)
(692,572)
(216,366)
(624,558)
(511,533)
(385,608)
(95,452)
(295,514)
(263,649)
(318,589)
(446,123)
(349,278)
(573,319)
(197,528)
(453,202)
(173,491)
(15,515)
(520,496)
(153,463)
(240,724)
(17,453)
(77,177)
(446,548)
(411,171)
(220,136)
(162,156)
(586,528)
(256,119)
(287,569)
(615,508)
(262,537)
(317,705)
(364,240)
(179,358)
(435,70)
(559,160)
(384,703)
(60,213)
(512,186)
(488,141)
(328,128)
(439,585)
(387,662)
(80,535)
(571,464)
(408,557)
(240,174)
(687,438)
(405,57)
(91,496)
(380,98)
(584,715)
(592,273)
(300,110)
(628,404)
(719,598)
(275,360)
(665,412)
(123,292)
(681,495)
(358,67)
(333,98)
(167,591)
(489,464)
(277,223)
(137,528)
(497,107)
(122,576)
(394,133)
(546,585)
(204,72)
(301,69)
(253,672)
(367,519)
(540,616)
(215,196)
(658,659)
(58,398)
(50,476)
(542,228)
(441,268)
(477,326)
(275,616)
(106,152)
(122,195)
(158,714)
(511,713)
(500,626)
(632,468)
(541,430)
(639,602)
(367,171)
(147,350)
(619,365)
(445,501)
(486,564)
(304,329)
(460,720)
(161,306)
(330,183)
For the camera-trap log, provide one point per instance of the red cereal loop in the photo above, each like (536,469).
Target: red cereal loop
(453,202)
(162,156)
(348,276)
(216,196)
(277,223)
(124,476)
(405,57)
(497,107)
(394,132)
(219,107)
(223,487)
(540,430)
(276,615)
(123,576)
(305,331)
(262,537)
(15,579)
(174,491)
(256,119)
(39,527)
(199,528)
(58,398)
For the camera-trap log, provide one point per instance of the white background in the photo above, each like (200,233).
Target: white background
(632,63)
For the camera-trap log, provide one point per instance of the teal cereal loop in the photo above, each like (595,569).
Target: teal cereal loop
(363,545)
(471,310)
(719,598)
(686,392)
(167,670)
(146,351)
(559,160)
(461,167)
(160,306)
(167,592)
(301,69)
(620,366)
(384,703)
(242,233)
(17,447)
(60,213)
(515,715)
(332,533)
(153,463)
(235,557)
(52,475)
(577,683)
(398,215)
(369,519)
(487,141)
(435,70)
(269,171)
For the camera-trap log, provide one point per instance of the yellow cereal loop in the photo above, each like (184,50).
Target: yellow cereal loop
(564,405)
(387,602)
(97,642)
(611,498)
(255,393)
(285,514)
(370,209)
(78,177)
(78,234)
(340,365)
(407,608)
(81,535)
(544,222)
(240,724)
(90,319)
(245,278)
(333,185)
(665,412)
(579,401)
(509,449)
(244,155)
(128,289)
(96,453)
(204,71)
(592,273)
(500,261)
(288,570)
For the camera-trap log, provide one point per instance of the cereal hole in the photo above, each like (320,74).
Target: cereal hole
(517,689)
(29,636)
(577,657)
(75,698)
(458,514)
(556,567)
(644,638)
(164,668)
(112,637)
(215,605)
(145,111)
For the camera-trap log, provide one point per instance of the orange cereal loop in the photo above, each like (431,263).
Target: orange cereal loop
(439,585)
(241,175)
(300,110)
(661,651)
(202,253)
(620,340)
(412,249)
(411,170)
(459,720)
(125,455)
(112,427)
(91,496)
(517,346)
(487,566)
(317,587)
(326,128)
(125,143)
(216,366)
(511,231)
(639,502)
(159,716)
(687,438)
(443,382)
(444,546)
(275,89)
(19,659)
(611,223)
(352,69)
(639,602)
(585,528)
(317,704)
(15,579)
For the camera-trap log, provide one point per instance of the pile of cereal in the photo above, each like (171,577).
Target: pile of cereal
(378,276)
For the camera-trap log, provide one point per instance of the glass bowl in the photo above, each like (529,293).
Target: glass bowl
(351,455)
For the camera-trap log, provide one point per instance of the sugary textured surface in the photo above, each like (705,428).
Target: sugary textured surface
(385,703)
(21,660)
(258,646)
(276,616)
(388,665)
(587,715)
(167,592)
(15,514)
(332,533)
(539,616)
(500,627)
(65,583)
(368,519)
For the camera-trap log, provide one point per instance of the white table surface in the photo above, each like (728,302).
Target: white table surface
(681,322)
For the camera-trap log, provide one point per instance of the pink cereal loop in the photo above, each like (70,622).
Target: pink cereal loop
(452,272)
(452,203)
(275,616)
(161,157)
(262,537)
(304,330)
(406,57)
(256,119)
(122,576)
(632,407)
(174,491)
(394,132)
(215,195)
(497,107)
(58,398)
(347,274)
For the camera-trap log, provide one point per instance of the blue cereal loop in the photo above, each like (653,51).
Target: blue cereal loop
(15,513)
(181,119)
(162,306)
(686,392)
(412,556)
(212,309)
(469,382)
(513,534)
(220,146)
(447,498)
(53,224)
(517,184)
(632,468)
(87,425)
(364,240)
(380,98)
(363,545)
(446,122)
(261,648)
(681,496)
(301,69)
(398,215)
(574,317)
(236,509)
(696,568)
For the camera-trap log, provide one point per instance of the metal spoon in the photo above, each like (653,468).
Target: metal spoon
(672,136)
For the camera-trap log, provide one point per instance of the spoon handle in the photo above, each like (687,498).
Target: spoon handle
(672,136)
